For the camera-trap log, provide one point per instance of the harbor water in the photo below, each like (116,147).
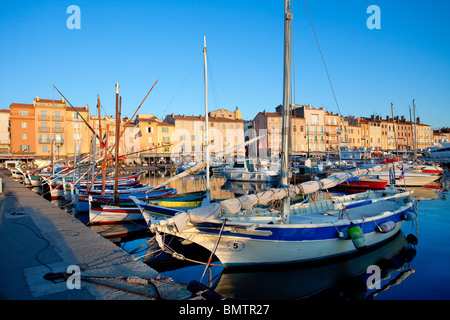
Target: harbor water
(400,269)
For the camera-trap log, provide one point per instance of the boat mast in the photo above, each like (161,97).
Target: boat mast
(284,176)
(206,116)
(116,169)
(395,131)
(415,132)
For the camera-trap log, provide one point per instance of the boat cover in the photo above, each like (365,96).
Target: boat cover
(248,202)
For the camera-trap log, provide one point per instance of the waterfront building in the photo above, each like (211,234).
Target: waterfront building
(23,141)
(226,130)
(333,131)
(5,139)
(154,139)
(47,125)
(76,135)
(268,124)
(424,135)
(441,135)
(315,126)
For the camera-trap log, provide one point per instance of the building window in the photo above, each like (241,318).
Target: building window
(43,115)
(23,112)
(165,129)
(24,124)
(44,148)
(24,136)
(57,116)
(150,130)
(25,147)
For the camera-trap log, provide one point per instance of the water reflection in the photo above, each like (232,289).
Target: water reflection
(345,279)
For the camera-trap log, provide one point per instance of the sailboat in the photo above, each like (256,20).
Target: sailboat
(249,170)
(240,234)
(104,209)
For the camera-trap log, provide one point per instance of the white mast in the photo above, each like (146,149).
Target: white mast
(206,117)
(415,132)
(284,176)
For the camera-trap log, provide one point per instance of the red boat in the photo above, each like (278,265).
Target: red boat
(391,160)
(360,184)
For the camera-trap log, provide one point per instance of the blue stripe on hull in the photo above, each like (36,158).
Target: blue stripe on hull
(302,233)
(157,210)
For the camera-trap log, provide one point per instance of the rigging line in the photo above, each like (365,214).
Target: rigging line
(182,83)
(323,59)
(292,60)
(213,83)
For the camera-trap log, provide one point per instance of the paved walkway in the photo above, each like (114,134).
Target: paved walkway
(37,238)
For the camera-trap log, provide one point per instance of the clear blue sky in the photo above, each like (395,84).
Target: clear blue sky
(136,42)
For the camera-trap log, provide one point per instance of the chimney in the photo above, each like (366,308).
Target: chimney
(37,98)
(418,120)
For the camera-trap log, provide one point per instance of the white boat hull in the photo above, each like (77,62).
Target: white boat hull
(310,235)
(412,179)
(114,214)
(251,176)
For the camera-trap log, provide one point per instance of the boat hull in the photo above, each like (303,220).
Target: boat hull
(307,237)
(411,179)
(241,250)
(360,185)
(114,214)
(250,176)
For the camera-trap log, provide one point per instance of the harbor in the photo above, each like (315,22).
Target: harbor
(59,236)
(39,239)
(158,193)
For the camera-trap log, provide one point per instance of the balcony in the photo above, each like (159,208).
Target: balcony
(57,118)
(48,141)
(43,118)
(58,129)
(43,129)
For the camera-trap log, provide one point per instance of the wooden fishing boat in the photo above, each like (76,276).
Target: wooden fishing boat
(83,199)
(360,184)
(100,213)
(240,235)
(408,178)
(314,231)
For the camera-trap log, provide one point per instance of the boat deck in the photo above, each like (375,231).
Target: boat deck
(363,212)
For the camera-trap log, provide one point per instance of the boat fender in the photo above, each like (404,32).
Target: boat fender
(409,254)
(412,239)
(409,216)
(357,237)
(386,227)
(343,234)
